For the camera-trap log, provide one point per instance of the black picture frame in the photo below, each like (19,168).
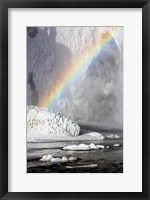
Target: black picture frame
(4,6)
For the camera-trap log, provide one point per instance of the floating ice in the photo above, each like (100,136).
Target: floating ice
(32,140)
(96,135)
(110,136)
(116,145)
(93,146)
(100,146)
(77,147)
(56,160)
(46,158)
(64,159)
(82,147)
(42,120)
(113,136)
(72,159)
(59,159)
(116,136)
(82,166)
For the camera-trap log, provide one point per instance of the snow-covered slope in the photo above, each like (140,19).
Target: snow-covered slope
(42,121)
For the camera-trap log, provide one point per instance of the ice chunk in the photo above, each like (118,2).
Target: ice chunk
(64,159)
(116,145)
(56,160)
(100,146)
(113,136)
(46,158)
(32,140)
(72,159)
(83,147)
(110,136)
(116,136)
(82,166)
(71,147)
(95,134)
(92,146)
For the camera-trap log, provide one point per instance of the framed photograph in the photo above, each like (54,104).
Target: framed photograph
(74,99)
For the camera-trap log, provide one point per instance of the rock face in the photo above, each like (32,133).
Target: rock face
(50,122)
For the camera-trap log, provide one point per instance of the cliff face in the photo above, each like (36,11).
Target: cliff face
(96,96)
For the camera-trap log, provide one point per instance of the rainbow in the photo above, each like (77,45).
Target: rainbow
(76,70)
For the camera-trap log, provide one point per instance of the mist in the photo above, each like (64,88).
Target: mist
(96,96)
